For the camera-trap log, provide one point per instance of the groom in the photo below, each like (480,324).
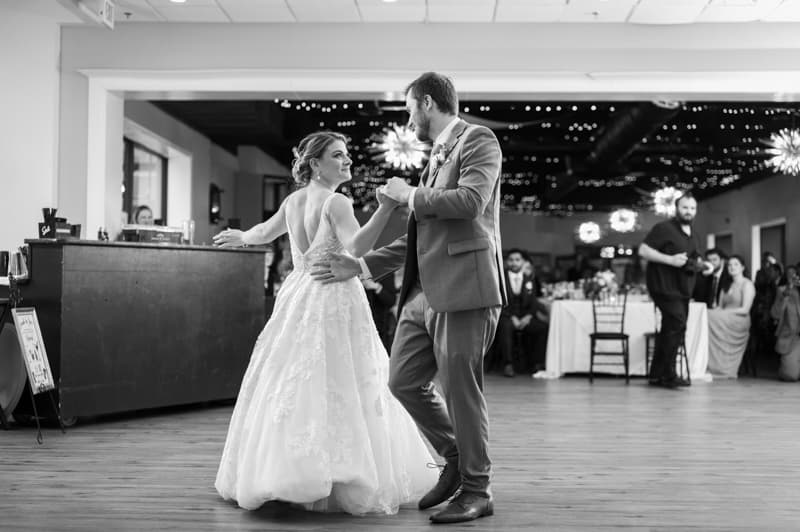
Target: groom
(451,296)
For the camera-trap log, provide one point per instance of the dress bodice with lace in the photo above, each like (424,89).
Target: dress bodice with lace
(322,245)
(314,422)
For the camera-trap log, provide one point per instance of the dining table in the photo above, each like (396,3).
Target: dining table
(571,323)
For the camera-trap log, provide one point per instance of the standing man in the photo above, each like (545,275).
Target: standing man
(524,313)
(713,280)
(451,295)
(670,248)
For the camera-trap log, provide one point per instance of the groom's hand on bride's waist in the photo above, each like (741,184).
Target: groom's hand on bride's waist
(339,268)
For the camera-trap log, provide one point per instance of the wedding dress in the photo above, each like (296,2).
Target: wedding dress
(315,422)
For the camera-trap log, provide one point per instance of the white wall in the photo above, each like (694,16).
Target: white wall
(539,50)
(209,164)
(115,150)
(737,211)
(29,54)
(559,236)
(254,164)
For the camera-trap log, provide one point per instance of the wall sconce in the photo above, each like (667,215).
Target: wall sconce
(214,204)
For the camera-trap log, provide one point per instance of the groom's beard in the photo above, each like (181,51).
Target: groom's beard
(422,129)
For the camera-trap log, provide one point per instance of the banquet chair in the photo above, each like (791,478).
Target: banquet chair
(608,315)
(681,361)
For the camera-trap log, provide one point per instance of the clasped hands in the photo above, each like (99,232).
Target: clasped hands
(396,189)
(521,323)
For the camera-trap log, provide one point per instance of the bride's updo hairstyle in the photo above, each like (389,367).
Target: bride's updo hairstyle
(313,146)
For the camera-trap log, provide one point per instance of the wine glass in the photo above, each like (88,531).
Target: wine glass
(17,267)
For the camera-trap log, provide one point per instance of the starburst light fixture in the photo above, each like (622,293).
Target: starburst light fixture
(622,220)
(785,151)
(589,232)
(399,148)
(664,200)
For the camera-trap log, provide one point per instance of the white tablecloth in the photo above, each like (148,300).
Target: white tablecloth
(571,323)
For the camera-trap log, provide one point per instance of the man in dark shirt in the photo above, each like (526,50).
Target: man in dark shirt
(670,249)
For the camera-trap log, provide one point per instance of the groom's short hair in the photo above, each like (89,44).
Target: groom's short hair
(439,87)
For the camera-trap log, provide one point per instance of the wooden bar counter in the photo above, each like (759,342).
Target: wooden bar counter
(129,326)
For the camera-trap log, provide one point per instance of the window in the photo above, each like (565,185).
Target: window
(144,181)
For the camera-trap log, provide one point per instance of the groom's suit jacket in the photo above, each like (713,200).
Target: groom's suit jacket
(453,241)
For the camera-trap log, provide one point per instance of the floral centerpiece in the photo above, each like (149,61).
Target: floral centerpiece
(604,282)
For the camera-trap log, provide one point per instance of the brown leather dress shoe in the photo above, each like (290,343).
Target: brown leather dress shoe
(465,507)
(448,484)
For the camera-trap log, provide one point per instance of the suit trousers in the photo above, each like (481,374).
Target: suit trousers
(449,346)
(674,313)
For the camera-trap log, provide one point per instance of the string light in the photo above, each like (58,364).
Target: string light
(622,220)
(735,154)
(399,148)
(785,151)
(664,200)
(589,232)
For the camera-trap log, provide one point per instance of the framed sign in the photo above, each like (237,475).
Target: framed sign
(32,346)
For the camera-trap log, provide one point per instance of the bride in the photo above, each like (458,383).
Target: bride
(315,423)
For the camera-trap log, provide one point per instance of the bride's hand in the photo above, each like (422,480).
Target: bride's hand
(229,238)
(383,199)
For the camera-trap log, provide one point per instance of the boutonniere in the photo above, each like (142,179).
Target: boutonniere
(438,158)
(529,285)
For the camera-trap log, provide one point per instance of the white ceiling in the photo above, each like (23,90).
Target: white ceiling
(482,11)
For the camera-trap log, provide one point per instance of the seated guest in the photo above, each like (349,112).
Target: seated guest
(729,323)
(529,270)
(709,285)
(382,296)
(786,310)
(524,313)
(766,283)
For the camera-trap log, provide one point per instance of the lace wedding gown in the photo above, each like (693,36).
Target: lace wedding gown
(315,422)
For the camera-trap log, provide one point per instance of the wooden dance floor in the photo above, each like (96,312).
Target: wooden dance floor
(567,455)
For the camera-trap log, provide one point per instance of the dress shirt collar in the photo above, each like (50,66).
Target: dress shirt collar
(445,134)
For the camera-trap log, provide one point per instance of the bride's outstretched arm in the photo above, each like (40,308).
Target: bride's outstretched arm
(359,240)
(262,233)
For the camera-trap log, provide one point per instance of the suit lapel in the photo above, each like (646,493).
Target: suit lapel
(423,177)
(449,146)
